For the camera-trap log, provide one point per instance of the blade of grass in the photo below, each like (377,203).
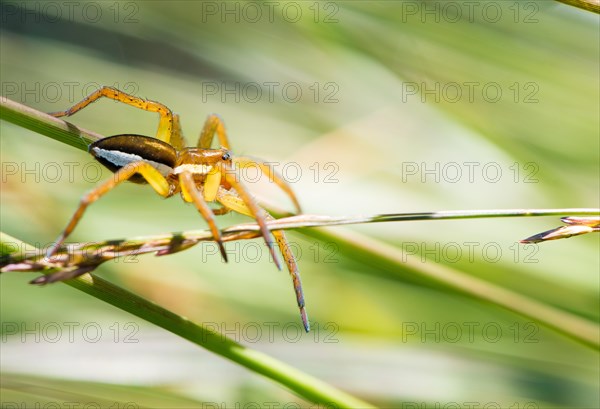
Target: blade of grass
(589,5)
(34,391)
(306,386)
(45,124)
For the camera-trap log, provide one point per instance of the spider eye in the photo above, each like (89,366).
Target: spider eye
(226,156)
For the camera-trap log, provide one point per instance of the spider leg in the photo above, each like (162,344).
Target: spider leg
(255,211)
(214,124)
(221,211)
(177,139)
(292,266)
(165,125)
(153,176)
(192,194)
(246,161)
(231,201)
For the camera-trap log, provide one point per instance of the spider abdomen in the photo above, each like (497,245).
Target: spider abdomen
(118,151)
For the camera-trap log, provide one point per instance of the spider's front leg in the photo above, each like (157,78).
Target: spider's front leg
(214,126)
(270,173)
(192,194)
(232,201)
(253,209)
(292,266)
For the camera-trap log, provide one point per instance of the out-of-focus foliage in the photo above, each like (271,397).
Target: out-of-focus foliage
(366,107)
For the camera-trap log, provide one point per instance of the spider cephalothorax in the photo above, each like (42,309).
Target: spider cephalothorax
(200,174)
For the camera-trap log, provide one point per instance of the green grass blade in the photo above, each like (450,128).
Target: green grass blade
(589,5)
(297,381)
(45,124)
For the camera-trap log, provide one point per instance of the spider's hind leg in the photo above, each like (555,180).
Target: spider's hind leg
(165,125)
(149,173)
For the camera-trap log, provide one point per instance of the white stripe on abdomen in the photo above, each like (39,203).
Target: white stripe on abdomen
(121,159)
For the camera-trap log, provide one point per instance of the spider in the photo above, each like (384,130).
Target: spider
(200,174)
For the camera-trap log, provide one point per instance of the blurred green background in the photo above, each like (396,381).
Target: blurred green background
(366,107)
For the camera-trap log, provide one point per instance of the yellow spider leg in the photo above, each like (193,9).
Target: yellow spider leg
(237,204)
(211,184)
(214,124)
(233,202)
(292,266)
(256,211)
(153,176)
(245,161)
(177,140)
(192,194)
(165,125)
